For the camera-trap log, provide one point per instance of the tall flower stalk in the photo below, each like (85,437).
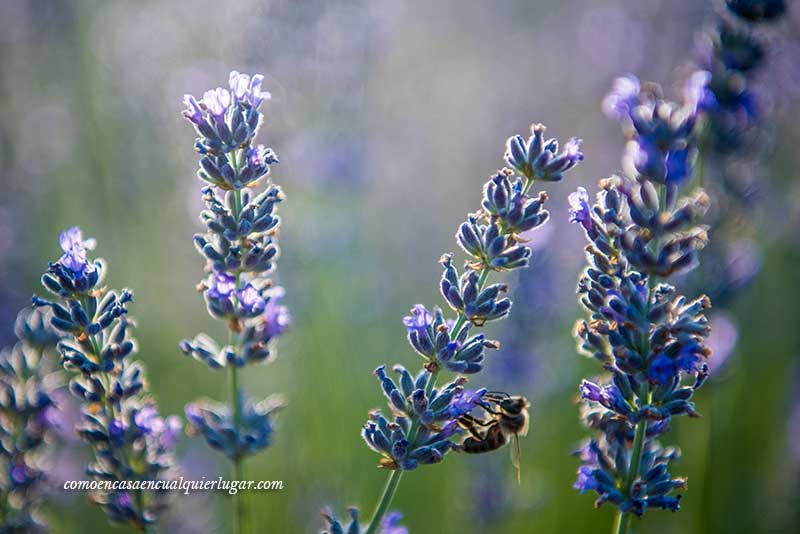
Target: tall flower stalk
(121,423)
(29,420)
(648,337)
(240,249)
(425,420)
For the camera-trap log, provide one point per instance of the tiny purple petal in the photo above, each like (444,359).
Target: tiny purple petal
(579,209)
(586,479)
(591,391)
(19,474)
(193,112)
(391,524)
(223,285)
(255,95)
(420,318)
(74,247)
(251,299)
(148,420)
(239,84)
(465,401)
(276,316)
(217,101)
(624,96)
(70,238)
(572,148)
(255,156)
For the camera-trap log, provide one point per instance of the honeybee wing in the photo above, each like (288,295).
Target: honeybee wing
(516,457)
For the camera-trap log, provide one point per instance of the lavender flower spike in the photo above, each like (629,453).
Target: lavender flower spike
(130,441)
(28,426)
(425,422)
(649,339)
(240,248)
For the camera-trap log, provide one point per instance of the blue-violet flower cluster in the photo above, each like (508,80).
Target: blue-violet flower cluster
(240,248)
(424,421)
(29,421)
(130,440)
(649,338)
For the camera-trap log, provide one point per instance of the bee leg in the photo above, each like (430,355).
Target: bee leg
(496,396)
(516,458)
(470,423)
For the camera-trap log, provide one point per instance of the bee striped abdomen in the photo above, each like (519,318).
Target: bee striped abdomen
(495,438)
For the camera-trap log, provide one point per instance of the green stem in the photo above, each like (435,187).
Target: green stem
(623,520)
(240,515)
(386,499)
(636,455)
(238,469)
(622,523)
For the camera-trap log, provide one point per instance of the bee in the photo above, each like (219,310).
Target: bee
(509,419)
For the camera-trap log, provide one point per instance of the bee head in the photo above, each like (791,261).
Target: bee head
(514,405)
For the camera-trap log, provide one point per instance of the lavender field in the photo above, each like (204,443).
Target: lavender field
(423,267)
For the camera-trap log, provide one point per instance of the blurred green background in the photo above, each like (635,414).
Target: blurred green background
(387,118)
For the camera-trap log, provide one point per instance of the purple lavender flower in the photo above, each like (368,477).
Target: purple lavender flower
(239,84)
(623,97)
(251,300)
(29,389)
(419,320)
(257,156)
(236,439)
(240,247)
(579,210)
(586,480)
(148,420)
(193,111)
(591,391)
(391,524)
(572,150)
(116,432)
(276,315)
(425,420)
(649,338)
(166,431)
(224,285)
(107,382)
(217,101)
(697,93)
(75,247)
(465,401)
(540,158)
